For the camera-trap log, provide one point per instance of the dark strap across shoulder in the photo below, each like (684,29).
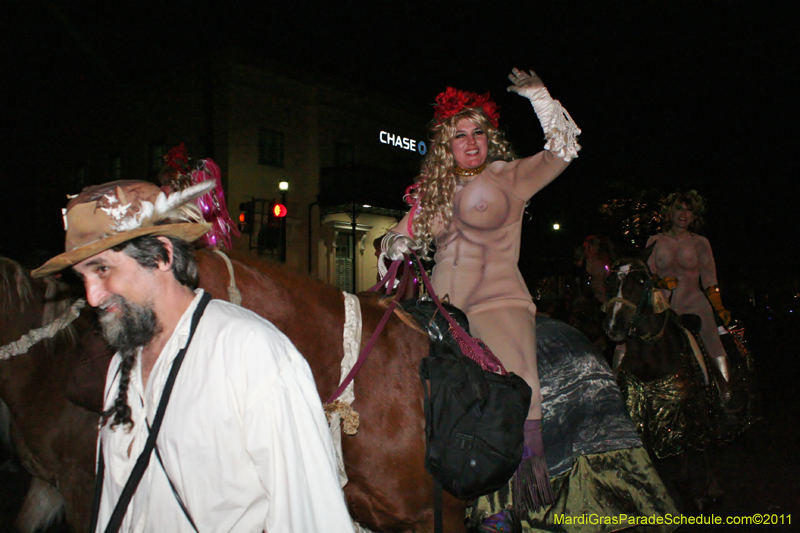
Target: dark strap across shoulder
(144,458)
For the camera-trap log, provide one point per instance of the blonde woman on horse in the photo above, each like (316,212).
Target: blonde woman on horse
(468,204)
(683,255)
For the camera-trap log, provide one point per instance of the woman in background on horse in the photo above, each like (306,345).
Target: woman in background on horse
(468,202)
(680,253)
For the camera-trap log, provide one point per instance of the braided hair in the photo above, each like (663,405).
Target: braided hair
(121,411)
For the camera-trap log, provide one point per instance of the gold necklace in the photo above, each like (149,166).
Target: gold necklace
(469,172)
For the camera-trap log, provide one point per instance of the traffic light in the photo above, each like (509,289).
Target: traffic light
(275,213)
(247,216)
(278,210)
(270,234)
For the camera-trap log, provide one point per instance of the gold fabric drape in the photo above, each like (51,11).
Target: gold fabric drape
(603,492)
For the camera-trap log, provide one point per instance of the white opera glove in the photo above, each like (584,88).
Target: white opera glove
(560,130)
(395,245)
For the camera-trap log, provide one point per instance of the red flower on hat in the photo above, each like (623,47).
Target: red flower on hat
(452,101)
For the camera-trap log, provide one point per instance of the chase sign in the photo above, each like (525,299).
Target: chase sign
(403,142)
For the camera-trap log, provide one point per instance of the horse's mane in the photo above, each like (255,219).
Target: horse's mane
(16,287)
(17,294)
(383,301)
(276,275)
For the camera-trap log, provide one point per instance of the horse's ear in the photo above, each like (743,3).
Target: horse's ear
(658,301)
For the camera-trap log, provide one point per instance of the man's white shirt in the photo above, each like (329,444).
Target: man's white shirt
(244,438)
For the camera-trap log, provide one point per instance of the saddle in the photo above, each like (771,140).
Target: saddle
(692,322)
(428,317)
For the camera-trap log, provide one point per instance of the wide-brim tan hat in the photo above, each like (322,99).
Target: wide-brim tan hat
(103,216)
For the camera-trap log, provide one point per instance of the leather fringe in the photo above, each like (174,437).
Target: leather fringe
(532,489)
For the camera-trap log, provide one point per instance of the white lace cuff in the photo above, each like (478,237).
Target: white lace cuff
(560,130)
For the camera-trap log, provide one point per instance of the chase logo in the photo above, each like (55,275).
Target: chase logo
(403,142)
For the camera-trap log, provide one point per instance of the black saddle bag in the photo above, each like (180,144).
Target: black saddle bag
(473,422)
(474,417)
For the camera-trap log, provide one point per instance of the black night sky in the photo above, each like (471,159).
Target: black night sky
(669,94)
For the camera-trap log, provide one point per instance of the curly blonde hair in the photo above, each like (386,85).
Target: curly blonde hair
(692,199)
(436,184)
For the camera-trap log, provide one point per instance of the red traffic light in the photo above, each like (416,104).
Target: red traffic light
(247,216)
(279,210)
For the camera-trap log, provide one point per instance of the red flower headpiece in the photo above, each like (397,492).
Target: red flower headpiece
(453,101)
(180,172)
(177,159)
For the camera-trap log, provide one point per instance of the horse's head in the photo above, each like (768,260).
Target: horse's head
(15,287)
(629,294)
(27,303)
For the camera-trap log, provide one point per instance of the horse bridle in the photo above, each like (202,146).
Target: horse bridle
(24,343)
(638,308)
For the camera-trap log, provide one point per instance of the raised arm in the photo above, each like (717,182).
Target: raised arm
(531,174)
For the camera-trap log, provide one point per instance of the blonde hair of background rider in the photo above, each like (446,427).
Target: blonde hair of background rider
(695,202)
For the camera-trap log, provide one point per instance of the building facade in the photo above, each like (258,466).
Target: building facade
(346,154)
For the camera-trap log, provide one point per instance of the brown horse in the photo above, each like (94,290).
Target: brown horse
(389,489)
(53,437)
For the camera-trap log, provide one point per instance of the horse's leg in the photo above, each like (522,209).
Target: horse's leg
(5,430)
(77,489)
(453,514)
(43,505)
(62,468)
(714,490)
(75,478)
(699,481)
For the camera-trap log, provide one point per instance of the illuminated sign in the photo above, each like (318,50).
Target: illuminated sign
(403,142)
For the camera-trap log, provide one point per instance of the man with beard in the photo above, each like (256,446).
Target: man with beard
(223,399)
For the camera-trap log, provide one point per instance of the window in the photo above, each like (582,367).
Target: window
(116,167)
(344,262)
(156,157)
(270,147)
(344,153)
